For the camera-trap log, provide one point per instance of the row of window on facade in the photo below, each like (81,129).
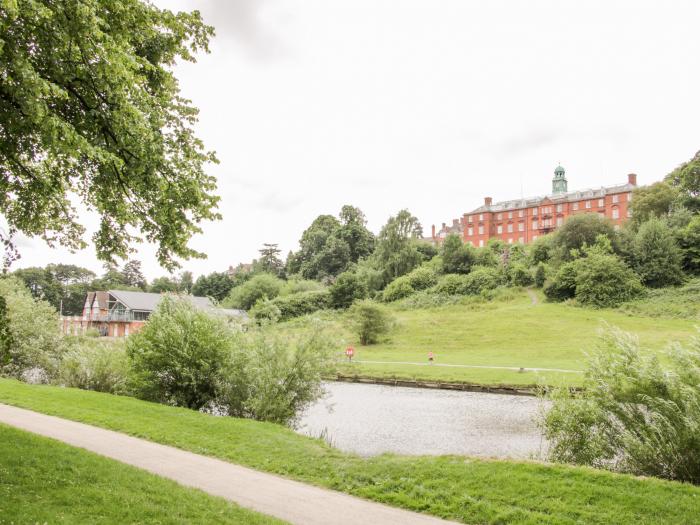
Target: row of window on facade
(536,225)
(559,208)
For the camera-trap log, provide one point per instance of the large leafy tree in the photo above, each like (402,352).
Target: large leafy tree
(62,285)
(270,261)
(216,285)
(654,200)
(133,275)
(90,110)
(686,178)
(397,245)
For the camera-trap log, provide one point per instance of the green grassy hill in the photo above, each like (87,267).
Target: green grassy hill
(454,487)
(520,331)
(45,481)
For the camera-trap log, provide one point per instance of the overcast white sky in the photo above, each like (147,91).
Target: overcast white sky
(428,105)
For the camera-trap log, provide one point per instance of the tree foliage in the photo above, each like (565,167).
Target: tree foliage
(370,321)
(580,230)
(90,108)
(216,285)
(686,178)
(250,292)
(457,257)
(269,261)
(657,257)
(654,200)
(397,251)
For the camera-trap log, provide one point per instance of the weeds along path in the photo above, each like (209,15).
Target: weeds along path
(282,498)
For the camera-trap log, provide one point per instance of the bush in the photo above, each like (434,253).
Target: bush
(397,289)
(293,286)
(633,415)
(657,257)
(579,231)
(540,275)
(302,303)
(604,280)
(422,278)
(95,365)
(427,299)
(273,379)
(689,239)
(180,355)
(480,280)
(32,339)
(346,289)
(247,294)
(265,311)
(451,284)
(457,257)
(681,302)
(519,274)
(563,286)
(370,321)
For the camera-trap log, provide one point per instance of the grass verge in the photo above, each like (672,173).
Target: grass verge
(453,487)
(45,481)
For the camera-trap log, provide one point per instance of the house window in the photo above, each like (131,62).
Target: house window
(560,208)
(601,203)
(615,199)
(481,230)
(510,241)
(534,212)
(534,225)
(588,205)
(521,213)
(575,206)
(481,216)
(499,216)
(521,226)
(499,228)
(615,213)
(510,228)
(470,231)
(510,214)
(481,243)
(560,221)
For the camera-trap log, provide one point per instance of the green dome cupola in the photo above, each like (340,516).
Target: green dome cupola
(559,183)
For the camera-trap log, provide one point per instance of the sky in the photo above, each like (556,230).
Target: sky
(429,105)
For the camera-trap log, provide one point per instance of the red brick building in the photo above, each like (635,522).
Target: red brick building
(524,220)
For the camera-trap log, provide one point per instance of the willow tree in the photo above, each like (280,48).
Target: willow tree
(91,112)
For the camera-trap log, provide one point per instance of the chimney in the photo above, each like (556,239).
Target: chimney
(455,222)
(632,179)
(444,226)
(433,231)
(487,201)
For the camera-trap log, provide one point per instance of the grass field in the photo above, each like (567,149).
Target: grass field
(45,481)
(511,333)
(458,488)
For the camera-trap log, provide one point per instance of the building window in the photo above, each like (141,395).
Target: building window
(615,213)
(510,214)
(481,216)
(499,216)
(560,221)
(615,199)
(521,213)
(560,208)
(521,240)
(470,231)
(575,206)
(481,230)
(534,212)
(510,241)
(510,228)
(601,203)
(521,226)
(588,205)
(481,243)
(534,225)
(499,228)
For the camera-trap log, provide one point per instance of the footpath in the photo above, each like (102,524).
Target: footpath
(289,500)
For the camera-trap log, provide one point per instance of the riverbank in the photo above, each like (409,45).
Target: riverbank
(454,487)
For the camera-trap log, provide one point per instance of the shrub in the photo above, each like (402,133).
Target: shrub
(427,299)
(422,278)
(604,280)
(540,275)
(634,415)
(451,284)
(480,280)
(265,311)
(293,286)
(302,303)
(33,340)
(95,365)
(397,289)
(274,379)
(579,231)
(563,285)
(370,321)
(346,289)
(519,274)
(457,257)
(690,245)
(179,356)
(656,255)
(247,294)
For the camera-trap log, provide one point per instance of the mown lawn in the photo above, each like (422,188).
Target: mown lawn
(45,481)
(512,333)
(459,488)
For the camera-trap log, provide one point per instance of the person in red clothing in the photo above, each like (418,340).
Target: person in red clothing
(431,357)
(349,351)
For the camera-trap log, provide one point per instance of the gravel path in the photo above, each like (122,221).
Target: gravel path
(282,498)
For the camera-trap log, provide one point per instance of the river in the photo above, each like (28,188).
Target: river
(373,419)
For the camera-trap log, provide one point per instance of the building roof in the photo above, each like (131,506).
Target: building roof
(147,302)
(555,198)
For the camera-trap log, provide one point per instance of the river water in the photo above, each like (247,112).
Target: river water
(373,419)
